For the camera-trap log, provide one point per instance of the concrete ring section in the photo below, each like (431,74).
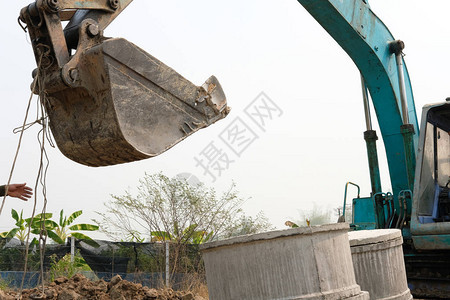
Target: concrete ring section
(379,264)
(300,263)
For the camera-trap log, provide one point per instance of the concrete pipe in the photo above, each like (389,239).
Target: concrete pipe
(301,263)
(379,264)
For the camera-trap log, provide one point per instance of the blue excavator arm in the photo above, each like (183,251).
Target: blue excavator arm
(365,38)
(423,216)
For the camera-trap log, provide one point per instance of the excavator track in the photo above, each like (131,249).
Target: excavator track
(428,273)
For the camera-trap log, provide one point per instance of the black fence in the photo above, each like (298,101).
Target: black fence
(146,263)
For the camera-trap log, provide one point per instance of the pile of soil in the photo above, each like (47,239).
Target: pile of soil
(80,288)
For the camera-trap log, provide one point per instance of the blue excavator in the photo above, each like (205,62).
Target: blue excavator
(419,160)
(110,102)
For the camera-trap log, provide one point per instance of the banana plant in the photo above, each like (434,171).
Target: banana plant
(59,232)
(200,237)
(21,230)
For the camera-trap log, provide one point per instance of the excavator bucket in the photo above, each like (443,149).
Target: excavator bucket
(128,106)
(110,102)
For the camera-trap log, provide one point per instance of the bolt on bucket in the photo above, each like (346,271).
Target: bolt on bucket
(379,264)
(301,263)
(121,104)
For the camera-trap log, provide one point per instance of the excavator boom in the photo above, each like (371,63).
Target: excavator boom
(365,38)
(419,204)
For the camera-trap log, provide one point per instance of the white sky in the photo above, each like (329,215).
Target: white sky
(305,156)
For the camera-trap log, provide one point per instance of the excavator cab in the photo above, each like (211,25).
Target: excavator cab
(108,101)
(430,218)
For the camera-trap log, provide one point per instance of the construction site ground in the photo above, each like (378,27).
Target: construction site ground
(80,288)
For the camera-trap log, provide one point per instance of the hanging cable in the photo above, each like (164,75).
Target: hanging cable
(42,135)
(20,140)
(43,181)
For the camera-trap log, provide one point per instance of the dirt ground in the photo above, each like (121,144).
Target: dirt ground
(80,288)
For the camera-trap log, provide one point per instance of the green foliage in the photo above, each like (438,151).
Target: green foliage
(12,259)
(161,236)
(65,267)
(170,209)
(21,230)
(189,235)
(4,284)
(148,261)
(59,232)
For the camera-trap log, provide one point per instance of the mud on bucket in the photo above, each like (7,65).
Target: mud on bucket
(126,105)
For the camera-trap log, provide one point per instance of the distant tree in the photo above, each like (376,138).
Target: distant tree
(338,213)
(174,211)
(316,216)
(249,225)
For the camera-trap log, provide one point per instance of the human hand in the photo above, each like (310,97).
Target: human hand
(21,191)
